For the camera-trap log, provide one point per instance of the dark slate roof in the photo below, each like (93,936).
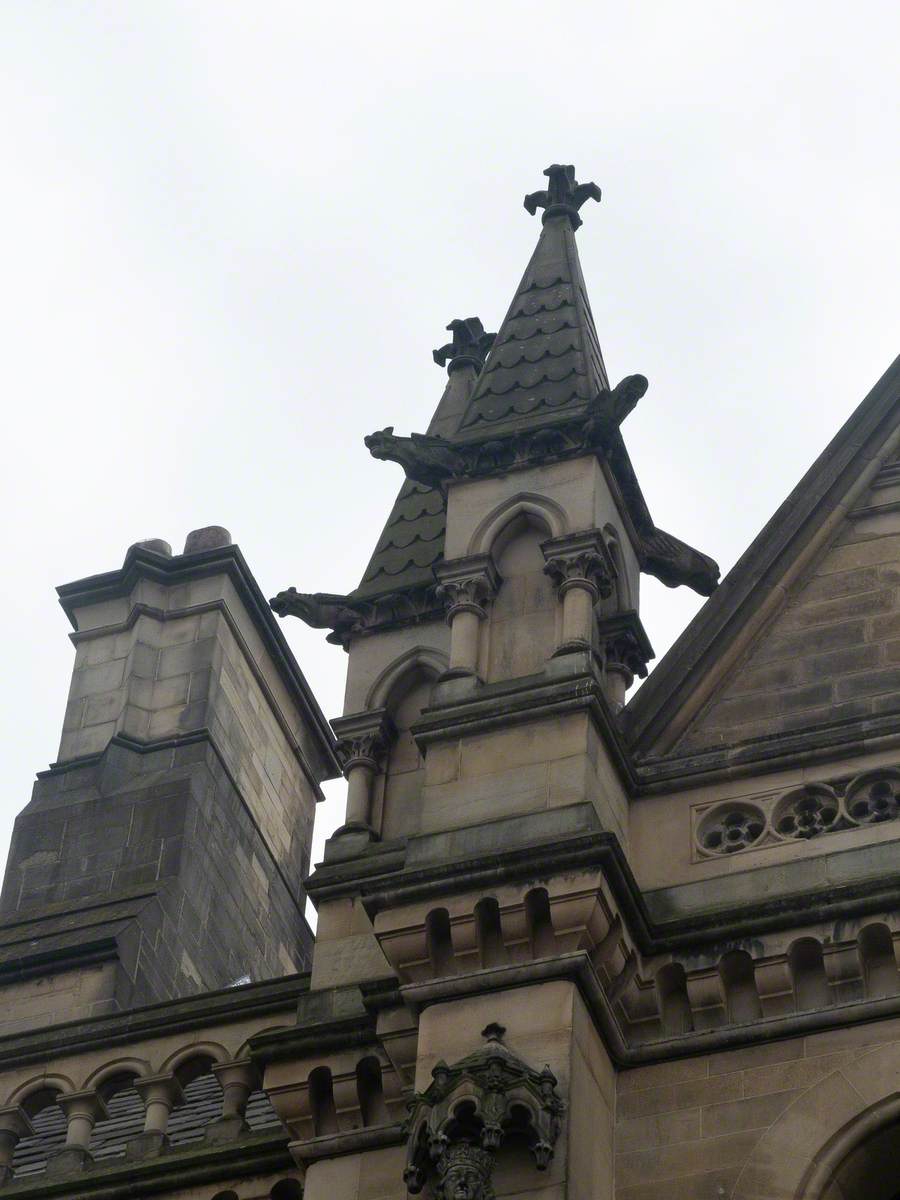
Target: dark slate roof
(706,640)
(202,1104)
(546,360)
(410,544)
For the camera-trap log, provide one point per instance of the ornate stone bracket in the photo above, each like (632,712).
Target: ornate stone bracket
(469,347)
(457,1125)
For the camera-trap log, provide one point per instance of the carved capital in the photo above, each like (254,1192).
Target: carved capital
(580,560)
(455,1144)
(467,584)
(626,648)
(363,739)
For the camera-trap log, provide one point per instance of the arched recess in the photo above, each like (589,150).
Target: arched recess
(404,688)
(524,619)
(112,1073)
(802,1155)
(539,510)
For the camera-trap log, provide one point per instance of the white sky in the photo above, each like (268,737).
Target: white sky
(233,233)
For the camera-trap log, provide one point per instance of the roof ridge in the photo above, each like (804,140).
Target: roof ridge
(652,709)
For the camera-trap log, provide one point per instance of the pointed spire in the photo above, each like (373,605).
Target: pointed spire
(563,196)
(546,359)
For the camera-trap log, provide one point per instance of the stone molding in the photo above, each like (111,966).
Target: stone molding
(580,560)
(467,584)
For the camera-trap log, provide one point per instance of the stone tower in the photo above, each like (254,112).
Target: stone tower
(572,944)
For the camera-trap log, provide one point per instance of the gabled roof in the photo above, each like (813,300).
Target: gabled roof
(755,588)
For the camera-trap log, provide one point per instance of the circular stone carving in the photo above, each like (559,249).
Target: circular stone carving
(731,827)
(806,812)
(874,797)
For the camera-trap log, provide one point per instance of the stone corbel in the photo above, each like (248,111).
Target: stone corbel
(466,586)
(626,651)
(363,742)
(14,1125)
(582,568)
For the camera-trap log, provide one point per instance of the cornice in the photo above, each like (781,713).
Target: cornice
(382,884)
(124,1179)
(153,1020)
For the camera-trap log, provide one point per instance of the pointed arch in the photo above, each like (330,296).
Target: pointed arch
(424,658)
(539,509)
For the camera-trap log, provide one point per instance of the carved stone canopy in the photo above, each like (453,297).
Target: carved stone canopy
(469,1110)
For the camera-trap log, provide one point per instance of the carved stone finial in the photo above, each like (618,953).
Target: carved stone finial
(455,1143)
(563,196)
(469,347)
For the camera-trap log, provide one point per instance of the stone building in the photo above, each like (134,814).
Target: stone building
(569,944)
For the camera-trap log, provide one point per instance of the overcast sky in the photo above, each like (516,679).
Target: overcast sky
(234,232)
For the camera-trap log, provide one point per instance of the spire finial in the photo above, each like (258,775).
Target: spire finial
(470,345)
(563,196)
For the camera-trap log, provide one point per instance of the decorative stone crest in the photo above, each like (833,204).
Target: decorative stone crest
(469,347)
(563,195)
(457,1125)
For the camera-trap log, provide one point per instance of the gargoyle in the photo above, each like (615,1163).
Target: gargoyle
(426,459)
(563,195)
(320,610)
(673,562)
(609,409)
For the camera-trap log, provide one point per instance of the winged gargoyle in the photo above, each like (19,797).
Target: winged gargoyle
(610,408)
(425,458)
(563,195)
(674,562)
(320,610)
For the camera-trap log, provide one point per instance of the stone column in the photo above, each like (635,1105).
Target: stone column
(82,1111)
(238,1080)
(626,652)
(582,569)
(363,740)
(160,1094)
(14,1125)
(467,586)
